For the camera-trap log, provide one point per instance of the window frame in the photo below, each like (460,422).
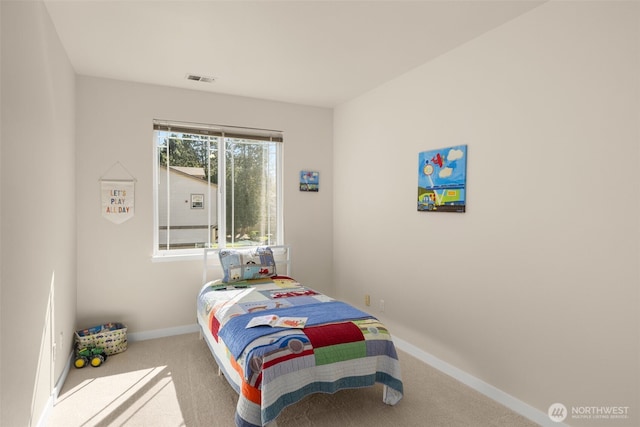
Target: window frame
(223,133)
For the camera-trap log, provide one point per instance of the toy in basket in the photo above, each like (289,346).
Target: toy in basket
(112,337)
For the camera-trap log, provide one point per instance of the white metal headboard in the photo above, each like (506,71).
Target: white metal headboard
(213,270)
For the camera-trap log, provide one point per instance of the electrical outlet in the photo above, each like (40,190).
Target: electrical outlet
(381,306)
(367,300)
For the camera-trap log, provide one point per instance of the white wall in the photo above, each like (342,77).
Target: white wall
(117,280)
(38,213)
(1,344)
(1,275)
(534,289)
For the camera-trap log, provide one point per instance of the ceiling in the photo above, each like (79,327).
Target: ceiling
(318,53)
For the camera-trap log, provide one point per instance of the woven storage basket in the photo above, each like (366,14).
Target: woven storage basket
(112,337)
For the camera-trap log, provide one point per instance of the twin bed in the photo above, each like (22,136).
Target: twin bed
(320,345)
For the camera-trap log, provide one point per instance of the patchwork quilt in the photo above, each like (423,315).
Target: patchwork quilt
(270,368)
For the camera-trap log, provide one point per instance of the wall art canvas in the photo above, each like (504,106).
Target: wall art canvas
(309,181)
(442,179)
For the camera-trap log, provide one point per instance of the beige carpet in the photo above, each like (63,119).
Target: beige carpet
(173,382)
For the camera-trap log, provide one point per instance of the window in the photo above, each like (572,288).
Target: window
(198,206)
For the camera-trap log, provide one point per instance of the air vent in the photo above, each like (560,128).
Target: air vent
(198,78)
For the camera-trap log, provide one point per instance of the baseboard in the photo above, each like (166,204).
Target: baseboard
(44,416)
(161,333)
(480,386)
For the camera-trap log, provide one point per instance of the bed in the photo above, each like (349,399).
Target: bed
(320,345)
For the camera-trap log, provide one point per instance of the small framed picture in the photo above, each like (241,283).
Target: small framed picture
(309,181)
(197,201)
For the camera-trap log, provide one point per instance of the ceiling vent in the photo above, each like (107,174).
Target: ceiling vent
(198,78)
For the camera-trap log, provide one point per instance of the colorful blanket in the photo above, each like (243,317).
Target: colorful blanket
(237,336)
(271,368)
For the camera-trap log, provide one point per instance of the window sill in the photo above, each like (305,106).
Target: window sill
(177,257)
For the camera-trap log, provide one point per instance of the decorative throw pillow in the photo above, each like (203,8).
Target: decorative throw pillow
(247,264)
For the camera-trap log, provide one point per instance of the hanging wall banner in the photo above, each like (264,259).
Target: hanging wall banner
(117,200)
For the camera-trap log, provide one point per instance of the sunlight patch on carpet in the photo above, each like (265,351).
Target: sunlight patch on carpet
(146,393)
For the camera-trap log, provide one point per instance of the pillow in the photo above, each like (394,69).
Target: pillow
(247,264)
